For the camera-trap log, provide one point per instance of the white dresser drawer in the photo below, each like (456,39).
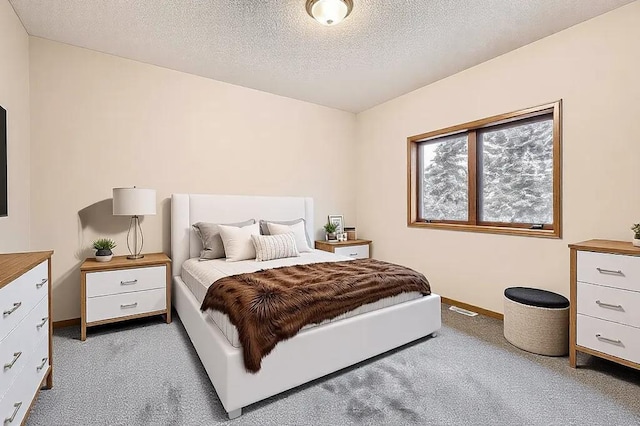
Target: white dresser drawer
(13,357)
(20,344)
(613,304)
(612,270)
(14,406)
(122,305)
(126,280)
(357,252)
(19,297)
(38,364)
(608,337)
(16,402)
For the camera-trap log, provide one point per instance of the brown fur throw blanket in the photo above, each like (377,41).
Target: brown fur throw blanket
(272,305)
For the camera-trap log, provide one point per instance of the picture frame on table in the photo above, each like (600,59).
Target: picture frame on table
(338,219)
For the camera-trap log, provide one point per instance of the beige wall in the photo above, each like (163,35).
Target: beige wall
(593,67)
(14,97)
(100,122)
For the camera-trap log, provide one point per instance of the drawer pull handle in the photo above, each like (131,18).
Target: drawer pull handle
(610,272)
(609,305)
(41,283)
(129,305)
(128,282)
(353,254)
(606,339)
(41,366)
(44,321)
(16,408)
(12,310)
(15,358)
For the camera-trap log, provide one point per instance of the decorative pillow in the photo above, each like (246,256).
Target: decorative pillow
(298,231)
(264,228)
(269,247)
(237,241)
(210,236)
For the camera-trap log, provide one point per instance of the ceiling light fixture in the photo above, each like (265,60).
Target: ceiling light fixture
(329,12)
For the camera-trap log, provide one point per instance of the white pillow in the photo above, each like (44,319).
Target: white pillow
(237,241)
(269,247)
(298,231)
(209,234)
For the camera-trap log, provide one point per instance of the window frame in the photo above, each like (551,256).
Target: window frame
(473,224)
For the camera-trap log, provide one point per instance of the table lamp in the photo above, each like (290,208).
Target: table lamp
(134,202)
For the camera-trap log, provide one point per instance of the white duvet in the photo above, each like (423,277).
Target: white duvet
(199,275)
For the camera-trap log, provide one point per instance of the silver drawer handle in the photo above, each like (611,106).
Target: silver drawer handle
(15,358)
(353,254)
(41,366)
(16,408)
(606,339)
(128,282)
(609,305)
(12,310)
(610,272)
(44,321)
(129,305)
(41,283)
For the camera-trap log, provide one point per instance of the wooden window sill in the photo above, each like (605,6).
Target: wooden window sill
(523,232)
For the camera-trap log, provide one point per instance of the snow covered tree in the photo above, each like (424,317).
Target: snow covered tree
(445,182)
(517,173)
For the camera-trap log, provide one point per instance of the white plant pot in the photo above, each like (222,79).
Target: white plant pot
(636,242)
(104,258)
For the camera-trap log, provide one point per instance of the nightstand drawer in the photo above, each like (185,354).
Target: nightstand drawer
(357,252)
(126,280)
(19,297)
(608,337)
(125,304)
(613,304)
(611,270)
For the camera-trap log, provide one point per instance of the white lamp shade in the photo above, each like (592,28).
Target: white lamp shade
(329,12)
(134,201)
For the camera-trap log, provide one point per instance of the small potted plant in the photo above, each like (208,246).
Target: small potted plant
(104,247)
(636,234)
(330,230)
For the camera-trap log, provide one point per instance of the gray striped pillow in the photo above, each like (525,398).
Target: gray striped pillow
(269,247)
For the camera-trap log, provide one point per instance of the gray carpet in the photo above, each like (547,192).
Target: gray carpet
(147,373)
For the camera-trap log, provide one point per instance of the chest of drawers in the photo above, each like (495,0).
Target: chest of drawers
(605,301)
(124,289)
(25,332)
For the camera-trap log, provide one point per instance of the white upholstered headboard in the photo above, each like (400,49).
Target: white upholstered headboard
(187,209)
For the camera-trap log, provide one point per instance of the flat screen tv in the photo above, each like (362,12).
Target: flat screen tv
(3,162)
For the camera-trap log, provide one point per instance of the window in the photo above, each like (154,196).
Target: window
(498,175)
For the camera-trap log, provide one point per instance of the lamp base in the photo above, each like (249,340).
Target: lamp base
(135,256)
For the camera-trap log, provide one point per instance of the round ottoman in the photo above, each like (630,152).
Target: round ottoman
(536,320)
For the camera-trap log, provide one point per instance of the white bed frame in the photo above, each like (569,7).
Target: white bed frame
(312,353)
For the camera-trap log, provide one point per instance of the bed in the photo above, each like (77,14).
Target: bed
(315,351)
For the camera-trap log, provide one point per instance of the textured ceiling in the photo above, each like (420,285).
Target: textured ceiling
(383,49)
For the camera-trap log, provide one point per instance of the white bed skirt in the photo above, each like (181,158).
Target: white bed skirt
(311,354)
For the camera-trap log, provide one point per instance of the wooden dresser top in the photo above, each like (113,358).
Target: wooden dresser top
(607,246)
(12,265)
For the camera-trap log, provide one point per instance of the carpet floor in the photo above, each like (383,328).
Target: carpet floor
(147,373)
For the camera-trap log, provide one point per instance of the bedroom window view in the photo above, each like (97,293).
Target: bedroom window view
(516,173)
(445,166)
(500,175)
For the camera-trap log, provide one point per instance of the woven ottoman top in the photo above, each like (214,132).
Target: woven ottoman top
(536,297)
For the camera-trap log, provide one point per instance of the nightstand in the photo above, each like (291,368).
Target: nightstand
(124,289)
(358,249)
